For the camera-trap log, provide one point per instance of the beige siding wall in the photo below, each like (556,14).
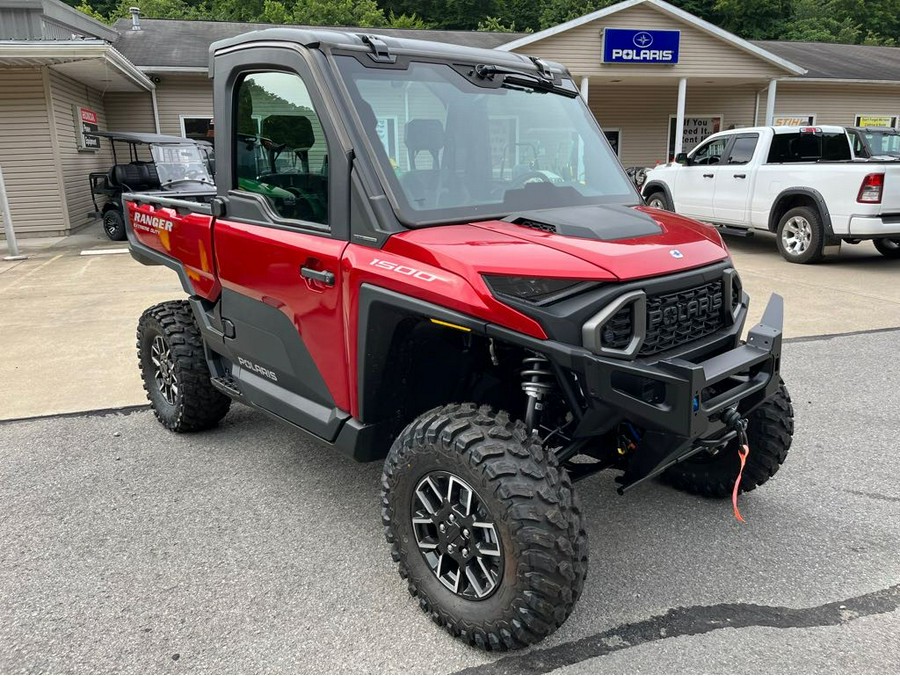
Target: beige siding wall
(188,95)
(129,111)
(835,104)
(76,165)
(701,54)
(26,154)
(641,114)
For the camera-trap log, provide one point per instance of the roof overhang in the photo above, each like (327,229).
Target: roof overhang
(665,8)
(91,62)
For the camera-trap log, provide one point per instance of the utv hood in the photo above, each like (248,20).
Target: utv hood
(628,242)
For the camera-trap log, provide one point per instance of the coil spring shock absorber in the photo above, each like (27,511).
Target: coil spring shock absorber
(537,381)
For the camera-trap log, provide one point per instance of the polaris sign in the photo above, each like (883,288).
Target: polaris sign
(631,45)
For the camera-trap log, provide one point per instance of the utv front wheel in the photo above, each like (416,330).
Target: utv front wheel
(173,367)
(769,432)
(485,527)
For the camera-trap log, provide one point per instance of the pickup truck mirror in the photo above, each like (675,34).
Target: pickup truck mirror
(682,158)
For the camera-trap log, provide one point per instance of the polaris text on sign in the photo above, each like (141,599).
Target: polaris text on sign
(634,45)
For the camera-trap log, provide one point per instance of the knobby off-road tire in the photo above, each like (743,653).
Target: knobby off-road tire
(174,369)
(537,518)
(114,225)
(770,430)
(801,236)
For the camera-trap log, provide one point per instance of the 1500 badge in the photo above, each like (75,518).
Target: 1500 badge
(406,270)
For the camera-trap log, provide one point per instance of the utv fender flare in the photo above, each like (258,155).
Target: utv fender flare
(656,186)
(381,311)
(787,194)
(144,255)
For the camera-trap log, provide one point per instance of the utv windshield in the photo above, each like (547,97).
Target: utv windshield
(453,148)
(883,143)
(180,163)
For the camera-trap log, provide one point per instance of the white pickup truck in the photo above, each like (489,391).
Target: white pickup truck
(799,182)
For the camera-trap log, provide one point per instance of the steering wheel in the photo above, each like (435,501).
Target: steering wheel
(530,177)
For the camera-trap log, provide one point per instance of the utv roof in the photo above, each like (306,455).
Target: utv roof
(139,137)
(360,42)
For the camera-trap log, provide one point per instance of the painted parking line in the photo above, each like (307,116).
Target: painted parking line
(102,252)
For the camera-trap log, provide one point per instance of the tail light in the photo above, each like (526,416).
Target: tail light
(871,189)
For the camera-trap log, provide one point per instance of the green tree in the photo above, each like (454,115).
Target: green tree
(493,24)
(412,21)
(754,19)
(275,11)
(365,13)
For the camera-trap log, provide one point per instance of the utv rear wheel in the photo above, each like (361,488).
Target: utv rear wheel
(485,527)
(770,430)
(801,237)
(114,225)
(889,248)
(174,370)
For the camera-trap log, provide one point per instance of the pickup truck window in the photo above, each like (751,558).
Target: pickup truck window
(809,147)
(710,152)
(280,149)
(454,147)
(742,149)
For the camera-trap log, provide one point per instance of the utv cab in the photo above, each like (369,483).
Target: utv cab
(154,162)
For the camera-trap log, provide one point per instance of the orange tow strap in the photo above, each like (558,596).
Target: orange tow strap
(743,452)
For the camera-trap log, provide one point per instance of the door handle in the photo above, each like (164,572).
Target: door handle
(323,276)
(707,175)
(740,175)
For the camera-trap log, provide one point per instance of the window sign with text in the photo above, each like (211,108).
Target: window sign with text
(876,121)
(696,129)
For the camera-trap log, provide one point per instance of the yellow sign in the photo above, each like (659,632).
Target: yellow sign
(793,120)
(876,121)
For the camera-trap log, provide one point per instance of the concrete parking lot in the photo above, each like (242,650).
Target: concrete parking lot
(248,549)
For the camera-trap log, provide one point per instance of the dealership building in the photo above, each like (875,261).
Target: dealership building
(657,78)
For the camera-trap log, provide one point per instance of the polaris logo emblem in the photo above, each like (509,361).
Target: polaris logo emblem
(675,253)
(256,368)
(406,270)
(152,222)
(683,312)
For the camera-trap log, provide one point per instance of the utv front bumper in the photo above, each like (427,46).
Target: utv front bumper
(680,400)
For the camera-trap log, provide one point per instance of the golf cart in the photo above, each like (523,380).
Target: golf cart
(154,162)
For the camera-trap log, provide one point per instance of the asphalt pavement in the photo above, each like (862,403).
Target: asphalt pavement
(125,548)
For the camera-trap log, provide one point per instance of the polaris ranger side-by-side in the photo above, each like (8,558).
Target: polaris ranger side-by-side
(430,255)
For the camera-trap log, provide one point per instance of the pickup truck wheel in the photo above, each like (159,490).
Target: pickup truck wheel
(484,525)
(174,369)
(114,225)
(889,248)
(801,237)
(770,431)
(658,200)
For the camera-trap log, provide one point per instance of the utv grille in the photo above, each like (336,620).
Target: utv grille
(672,319)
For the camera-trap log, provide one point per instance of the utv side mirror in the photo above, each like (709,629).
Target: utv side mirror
(682,158)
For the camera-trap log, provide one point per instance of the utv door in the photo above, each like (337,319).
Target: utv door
(278,248)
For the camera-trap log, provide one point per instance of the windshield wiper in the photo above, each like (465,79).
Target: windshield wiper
(523,78)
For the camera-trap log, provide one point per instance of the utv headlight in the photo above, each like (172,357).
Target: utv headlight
(535,289)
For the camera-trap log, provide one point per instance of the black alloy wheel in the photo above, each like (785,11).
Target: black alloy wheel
(456,535)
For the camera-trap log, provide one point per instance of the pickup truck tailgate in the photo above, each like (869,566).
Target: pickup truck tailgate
(890,197)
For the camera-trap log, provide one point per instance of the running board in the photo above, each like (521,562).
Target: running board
(228,386)
(737,232)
